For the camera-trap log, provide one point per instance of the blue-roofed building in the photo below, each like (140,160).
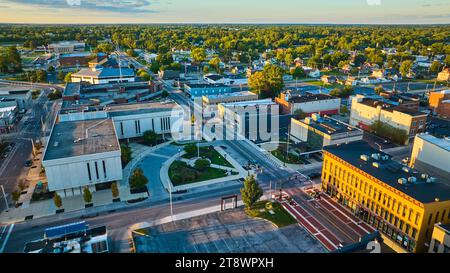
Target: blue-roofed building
(101,75)
(200,90)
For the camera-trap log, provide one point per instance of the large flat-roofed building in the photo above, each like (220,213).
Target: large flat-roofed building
(317,132)
(209,100)
(309,104)
(66,47)
(15,96)
(100,75)
(402,203)
(431,155)
(133,120)
(8,118)
(366,111)
(246,118)
(440,103)
(200,89)
(440,241)
(81,154)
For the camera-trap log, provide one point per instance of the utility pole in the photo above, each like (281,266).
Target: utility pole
(287,143)
(4,196)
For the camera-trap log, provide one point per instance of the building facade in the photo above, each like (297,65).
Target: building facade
(440,241)
(199,90)
(366,111)
(426,150)
(309,104)
(317,132)
(401,203)
(100,75)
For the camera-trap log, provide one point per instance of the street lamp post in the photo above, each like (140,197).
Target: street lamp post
(171,204)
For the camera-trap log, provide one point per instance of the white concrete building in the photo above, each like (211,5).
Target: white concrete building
(431,155)
(82,154)
(15,96)
(319,131)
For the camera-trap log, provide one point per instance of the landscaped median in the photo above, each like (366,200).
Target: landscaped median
(180,173)
(271,211)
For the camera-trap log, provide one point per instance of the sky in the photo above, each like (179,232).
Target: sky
(226,11)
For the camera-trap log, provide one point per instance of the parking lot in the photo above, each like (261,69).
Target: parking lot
(225,232)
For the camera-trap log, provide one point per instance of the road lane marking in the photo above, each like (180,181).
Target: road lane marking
(6,238)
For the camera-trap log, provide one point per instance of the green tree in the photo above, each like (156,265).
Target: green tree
(15,195)
(298,72)
(202,164)
(267,83)
(114,190)
(50,69)
(435,67)
(57,200)
(126,154)
(150,137)
(215,63)
(87,195)
(300,114)
(191,149)
(251,192)
(68,77)
(164,94)
(138,179)
(406,67)
(61,76)
(198,55)
(41,76)
(131,53)
(105,48)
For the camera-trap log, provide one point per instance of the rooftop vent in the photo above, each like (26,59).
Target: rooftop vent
(402,181)
(376,156)
(412,179)
(56,144)
(437,200)
(424,176)
(77,140)
(376,165)
(364,158)
(384,157)
(406,169)
(431,179)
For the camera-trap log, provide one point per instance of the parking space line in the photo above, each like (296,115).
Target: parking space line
(6,238)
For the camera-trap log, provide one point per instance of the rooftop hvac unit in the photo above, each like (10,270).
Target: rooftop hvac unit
(364,158)
(424,176)
(384,157)
(412,179)
(376,156)
(405,169)
(56,144)
(376,165)
(431,179)
(402,181)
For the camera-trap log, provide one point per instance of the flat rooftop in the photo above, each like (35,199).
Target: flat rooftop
(390,172)
(231,95)
(390,107)
(105,72)
(249,103)
(7,89)
(78,138)
(204,85)
(307,97)
(443,143)
(140,108)
(330,126)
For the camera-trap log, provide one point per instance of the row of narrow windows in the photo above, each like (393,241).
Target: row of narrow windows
(97,175)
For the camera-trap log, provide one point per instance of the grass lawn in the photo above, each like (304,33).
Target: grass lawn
(213,155)
(181,174)
(280,218)
(324,85)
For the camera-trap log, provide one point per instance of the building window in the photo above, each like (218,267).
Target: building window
(104,168)
(121,128)
(436,246)
(89,171)
(96,170)
(429,218)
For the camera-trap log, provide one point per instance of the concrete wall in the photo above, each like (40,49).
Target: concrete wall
(427,152)
(317,106)
(72,172)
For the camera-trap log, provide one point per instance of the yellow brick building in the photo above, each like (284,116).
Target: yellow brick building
(400,202)
(440,241)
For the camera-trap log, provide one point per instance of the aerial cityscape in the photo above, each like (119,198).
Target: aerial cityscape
(186,127)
